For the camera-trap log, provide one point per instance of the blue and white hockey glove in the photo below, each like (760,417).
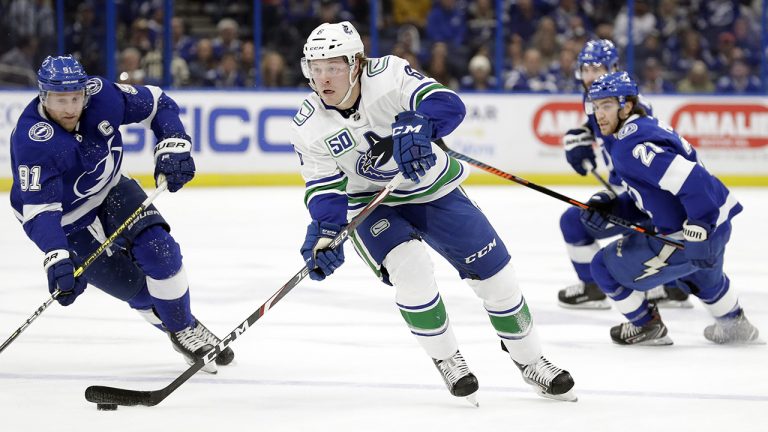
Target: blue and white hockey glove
(698,244)
(321,261)
(578,149)
(412,144)
(61,274)
(599,203)
(174,160)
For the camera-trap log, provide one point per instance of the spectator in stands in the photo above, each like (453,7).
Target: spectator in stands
(85,39)
(652,79)
(248,63)
(31,19)
(690,49)
(670,18)
(481,23)
(532,76)
(480,76)
(439,67)
(226,42)
(727,52)
(650,48)
(129,67)
(183,43)
(514,54)
(697,80)
(202,69)
(603,30)
(746,39)
(273,71)
(643,23)
(739,80)
(545,40)
(17,65)
(569,16)
(409,39)
(715,17)
(139,36)
(447,22)
(564,72)
(411,12)
(523,17)
(227,74)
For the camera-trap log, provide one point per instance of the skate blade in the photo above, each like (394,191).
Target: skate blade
(594,305)
(473,400)
(565,397)
(674,304)
(757,341)
(664,341)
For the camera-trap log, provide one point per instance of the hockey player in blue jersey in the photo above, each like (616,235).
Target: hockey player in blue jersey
(368,119)
(666,181)
(70,194)
(596,58)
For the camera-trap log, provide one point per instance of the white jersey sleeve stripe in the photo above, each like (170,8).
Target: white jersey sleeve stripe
(676,174)
(30,211)
(725,209)
(156,93)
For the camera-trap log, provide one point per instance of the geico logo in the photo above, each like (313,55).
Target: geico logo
(224,130)
(722,125)
(553,119)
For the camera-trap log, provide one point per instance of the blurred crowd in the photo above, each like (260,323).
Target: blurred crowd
(688,46)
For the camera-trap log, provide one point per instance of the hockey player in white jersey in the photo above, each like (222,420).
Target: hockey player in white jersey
(367,120)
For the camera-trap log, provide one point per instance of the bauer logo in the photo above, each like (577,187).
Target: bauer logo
(553,119)
(722,125)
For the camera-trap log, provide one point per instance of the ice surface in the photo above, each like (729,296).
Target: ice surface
(336,356)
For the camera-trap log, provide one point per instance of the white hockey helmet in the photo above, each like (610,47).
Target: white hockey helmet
(333,40)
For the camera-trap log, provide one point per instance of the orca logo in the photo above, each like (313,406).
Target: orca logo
(40,132)
(371,163)
(93,86)
(346,28)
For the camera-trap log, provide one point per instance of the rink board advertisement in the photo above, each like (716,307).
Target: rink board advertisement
(244,135)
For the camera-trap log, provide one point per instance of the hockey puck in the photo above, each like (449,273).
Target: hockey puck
(106,407)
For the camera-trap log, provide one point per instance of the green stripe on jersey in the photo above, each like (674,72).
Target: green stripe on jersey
(340,186)
(431,319)
(426,90)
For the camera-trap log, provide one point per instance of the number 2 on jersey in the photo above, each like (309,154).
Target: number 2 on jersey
(645,152)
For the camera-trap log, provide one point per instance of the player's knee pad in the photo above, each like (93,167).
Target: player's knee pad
(412,273)
(573,230)
(500,289)
(157,253)
(602,276)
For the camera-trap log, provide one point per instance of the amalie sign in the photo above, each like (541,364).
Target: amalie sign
(706,125)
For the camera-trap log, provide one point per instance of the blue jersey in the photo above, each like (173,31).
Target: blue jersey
(60,178)
(664,177)
(601,139)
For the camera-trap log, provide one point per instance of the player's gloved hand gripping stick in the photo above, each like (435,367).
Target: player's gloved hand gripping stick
(162,185)
(117,396)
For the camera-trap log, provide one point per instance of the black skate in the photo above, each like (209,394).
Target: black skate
(668,297)
(458,378)
(549,380)
(195,341)
(653,332)
(733,331)
(583,296)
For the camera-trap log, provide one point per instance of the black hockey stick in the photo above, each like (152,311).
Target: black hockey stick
(611,218)
(88,261)
(125,397)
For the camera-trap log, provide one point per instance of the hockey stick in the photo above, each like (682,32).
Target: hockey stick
(162,186)
(611,218)
(125,397)
(600,178)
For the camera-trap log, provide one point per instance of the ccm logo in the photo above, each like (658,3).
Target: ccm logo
(481,253)
(406,129)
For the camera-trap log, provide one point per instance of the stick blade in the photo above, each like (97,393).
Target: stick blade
(118,396)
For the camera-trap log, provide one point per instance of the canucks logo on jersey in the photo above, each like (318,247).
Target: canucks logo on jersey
(370,163)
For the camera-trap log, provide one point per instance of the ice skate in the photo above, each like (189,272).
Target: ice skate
(668,297)
(549,380)
(583,296)
(736,330)
(458,378)
(194,341)
(653,332)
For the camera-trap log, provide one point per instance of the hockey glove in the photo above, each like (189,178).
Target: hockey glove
(599,204)
(174,160)
(698,244)
(61,275)
(412,144)
(578,149)
(321,261)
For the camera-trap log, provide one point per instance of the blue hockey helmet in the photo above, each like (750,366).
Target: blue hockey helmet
(614,84)
(61,74)
(598,52)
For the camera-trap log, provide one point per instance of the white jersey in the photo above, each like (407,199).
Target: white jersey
(354,155)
